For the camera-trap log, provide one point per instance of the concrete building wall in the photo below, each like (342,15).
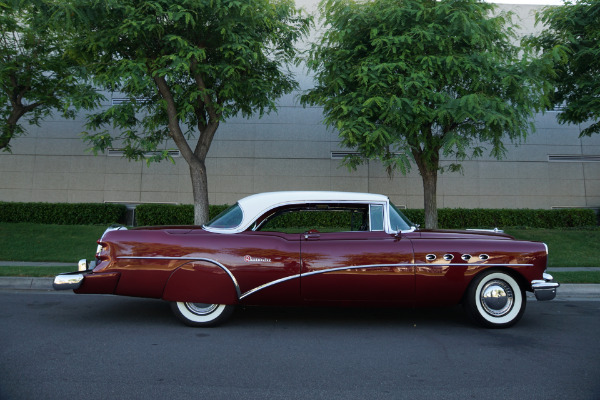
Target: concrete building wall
(292,150)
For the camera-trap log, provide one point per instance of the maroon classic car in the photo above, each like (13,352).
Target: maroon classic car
(316,248)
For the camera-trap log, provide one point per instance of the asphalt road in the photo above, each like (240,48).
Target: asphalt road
(61,346)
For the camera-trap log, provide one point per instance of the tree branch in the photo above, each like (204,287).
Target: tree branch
(174,128)
(207,130)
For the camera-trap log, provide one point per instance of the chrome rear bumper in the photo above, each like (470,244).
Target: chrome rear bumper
(69,280)
(72,280)
(545,289)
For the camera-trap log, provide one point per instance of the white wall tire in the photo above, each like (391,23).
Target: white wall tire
(201,314)
(495,300)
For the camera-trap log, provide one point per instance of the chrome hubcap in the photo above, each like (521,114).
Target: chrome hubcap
(497,298)
(201,308)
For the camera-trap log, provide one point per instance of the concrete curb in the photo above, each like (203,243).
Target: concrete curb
(565,291)
(26,283)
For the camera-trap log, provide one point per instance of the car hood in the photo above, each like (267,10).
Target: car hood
(457,234)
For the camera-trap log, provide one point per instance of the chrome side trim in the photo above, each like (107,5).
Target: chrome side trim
(218,264)
(322,271)
(268,284)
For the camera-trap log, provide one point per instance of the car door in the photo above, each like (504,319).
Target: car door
(266,266)
(371,267)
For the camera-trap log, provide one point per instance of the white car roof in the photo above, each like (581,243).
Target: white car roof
(255,205)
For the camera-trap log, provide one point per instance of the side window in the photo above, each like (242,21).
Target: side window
(321,218)
(376,211)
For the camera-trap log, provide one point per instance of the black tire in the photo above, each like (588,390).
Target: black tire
(494,299)
(201,314)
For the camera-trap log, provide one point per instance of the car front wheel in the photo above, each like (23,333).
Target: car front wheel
(495,300)
(201,314)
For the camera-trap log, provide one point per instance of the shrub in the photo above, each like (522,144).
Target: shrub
(63,213)
(165,214)
(461,218)
(168,214)
(449,218)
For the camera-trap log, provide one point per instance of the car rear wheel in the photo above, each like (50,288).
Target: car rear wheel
(201,314)
(495,300)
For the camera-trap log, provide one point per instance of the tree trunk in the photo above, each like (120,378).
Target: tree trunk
(428,168)
(196,159)
(430,198)
(200,191)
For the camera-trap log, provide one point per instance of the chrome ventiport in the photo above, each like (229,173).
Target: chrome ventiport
(466,257)
(484,257)
(448,257)
(430,257)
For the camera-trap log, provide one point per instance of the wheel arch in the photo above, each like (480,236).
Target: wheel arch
(515,274)
(501,306)
(202,281)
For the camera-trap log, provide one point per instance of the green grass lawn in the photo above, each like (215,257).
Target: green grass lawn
(37,242)
(566,248)
(35,271)
(576,277)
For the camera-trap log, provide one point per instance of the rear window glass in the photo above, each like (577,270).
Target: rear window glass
(228,219)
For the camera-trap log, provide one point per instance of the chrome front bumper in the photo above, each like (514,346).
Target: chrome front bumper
(545,289)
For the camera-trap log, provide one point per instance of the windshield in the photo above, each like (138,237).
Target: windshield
(228,219)
(398,221)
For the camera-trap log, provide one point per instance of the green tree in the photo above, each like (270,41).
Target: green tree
(408,81)
(574,29)
(36,78)
(186,66)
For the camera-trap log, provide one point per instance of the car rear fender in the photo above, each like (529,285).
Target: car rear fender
(203,281)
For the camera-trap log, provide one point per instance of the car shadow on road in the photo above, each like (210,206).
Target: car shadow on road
(350,316)
(151,312)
